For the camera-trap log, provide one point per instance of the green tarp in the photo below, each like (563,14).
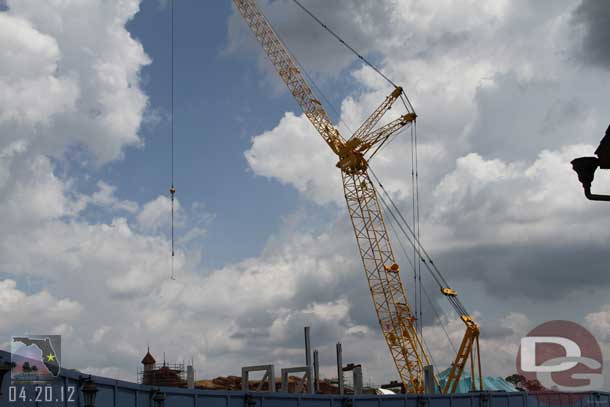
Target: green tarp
(490,383)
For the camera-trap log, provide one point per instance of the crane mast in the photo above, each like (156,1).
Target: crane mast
(396,319)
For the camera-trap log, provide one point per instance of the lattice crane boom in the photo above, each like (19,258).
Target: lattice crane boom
(290,73)
(380,135)
(377,114)
(396,319)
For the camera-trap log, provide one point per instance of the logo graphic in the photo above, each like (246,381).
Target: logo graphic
(562,356)
(35,358)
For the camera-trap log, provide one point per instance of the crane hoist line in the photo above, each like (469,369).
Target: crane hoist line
(396,318)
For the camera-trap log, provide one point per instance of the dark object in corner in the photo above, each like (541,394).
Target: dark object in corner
(585,167)
(603,151)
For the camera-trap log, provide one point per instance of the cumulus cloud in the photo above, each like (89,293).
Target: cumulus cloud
(105,197)
(32,192)
(39,309)
(29,64)
(291,154)
(88,74)
(600,322)
(506,199)
(156,213)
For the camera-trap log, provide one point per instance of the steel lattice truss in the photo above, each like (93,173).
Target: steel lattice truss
(395,317)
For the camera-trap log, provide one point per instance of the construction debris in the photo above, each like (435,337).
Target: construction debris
(234,383)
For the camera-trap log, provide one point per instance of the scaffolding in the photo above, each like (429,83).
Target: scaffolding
(168,375)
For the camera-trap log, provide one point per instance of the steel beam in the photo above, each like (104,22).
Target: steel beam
(268,377)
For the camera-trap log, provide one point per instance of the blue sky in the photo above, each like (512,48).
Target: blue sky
(219,106)
(221,101)
(507,94)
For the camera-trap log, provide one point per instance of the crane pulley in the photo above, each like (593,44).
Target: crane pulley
(396,318)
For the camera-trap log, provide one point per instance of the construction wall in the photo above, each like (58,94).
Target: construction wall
(115,393)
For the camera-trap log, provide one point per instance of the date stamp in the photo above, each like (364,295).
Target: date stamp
(41,395)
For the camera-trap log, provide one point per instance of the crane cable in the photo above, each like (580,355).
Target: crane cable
(345,44)
(420,250)
(349,47)
(415,256)
(417,286)
(415,182)
(423,288)
(416,268)
(411,237)
(418,225)
(172,189)
(425,291)
(403,96)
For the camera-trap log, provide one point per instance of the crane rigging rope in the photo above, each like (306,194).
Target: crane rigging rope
(352,49)
(345,44)
(414,156)
(416,210)
(425,291)
(172,189)
(411,237)
(414,235)
(415,257)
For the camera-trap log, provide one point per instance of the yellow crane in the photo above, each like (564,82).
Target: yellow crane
(396,319)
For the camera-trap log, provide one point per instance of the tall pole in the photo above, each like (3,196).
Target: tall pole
(316,371)
(340,367)
(310,382)
(358,382)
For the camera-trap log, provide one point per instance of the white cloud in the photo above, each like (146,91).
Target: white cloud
(600,322)
(100,333)
(334,311)
(28,69)
(156,214)
(33,193)
(292,154)
(105,197)
(492,200)
(82,59)
(40,309)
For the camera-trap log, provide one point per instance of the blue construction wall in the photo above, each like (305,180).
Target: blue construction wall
(114,393)
(117,393)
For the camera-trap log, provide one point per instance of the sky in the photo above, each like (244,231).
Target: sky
(507,94)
